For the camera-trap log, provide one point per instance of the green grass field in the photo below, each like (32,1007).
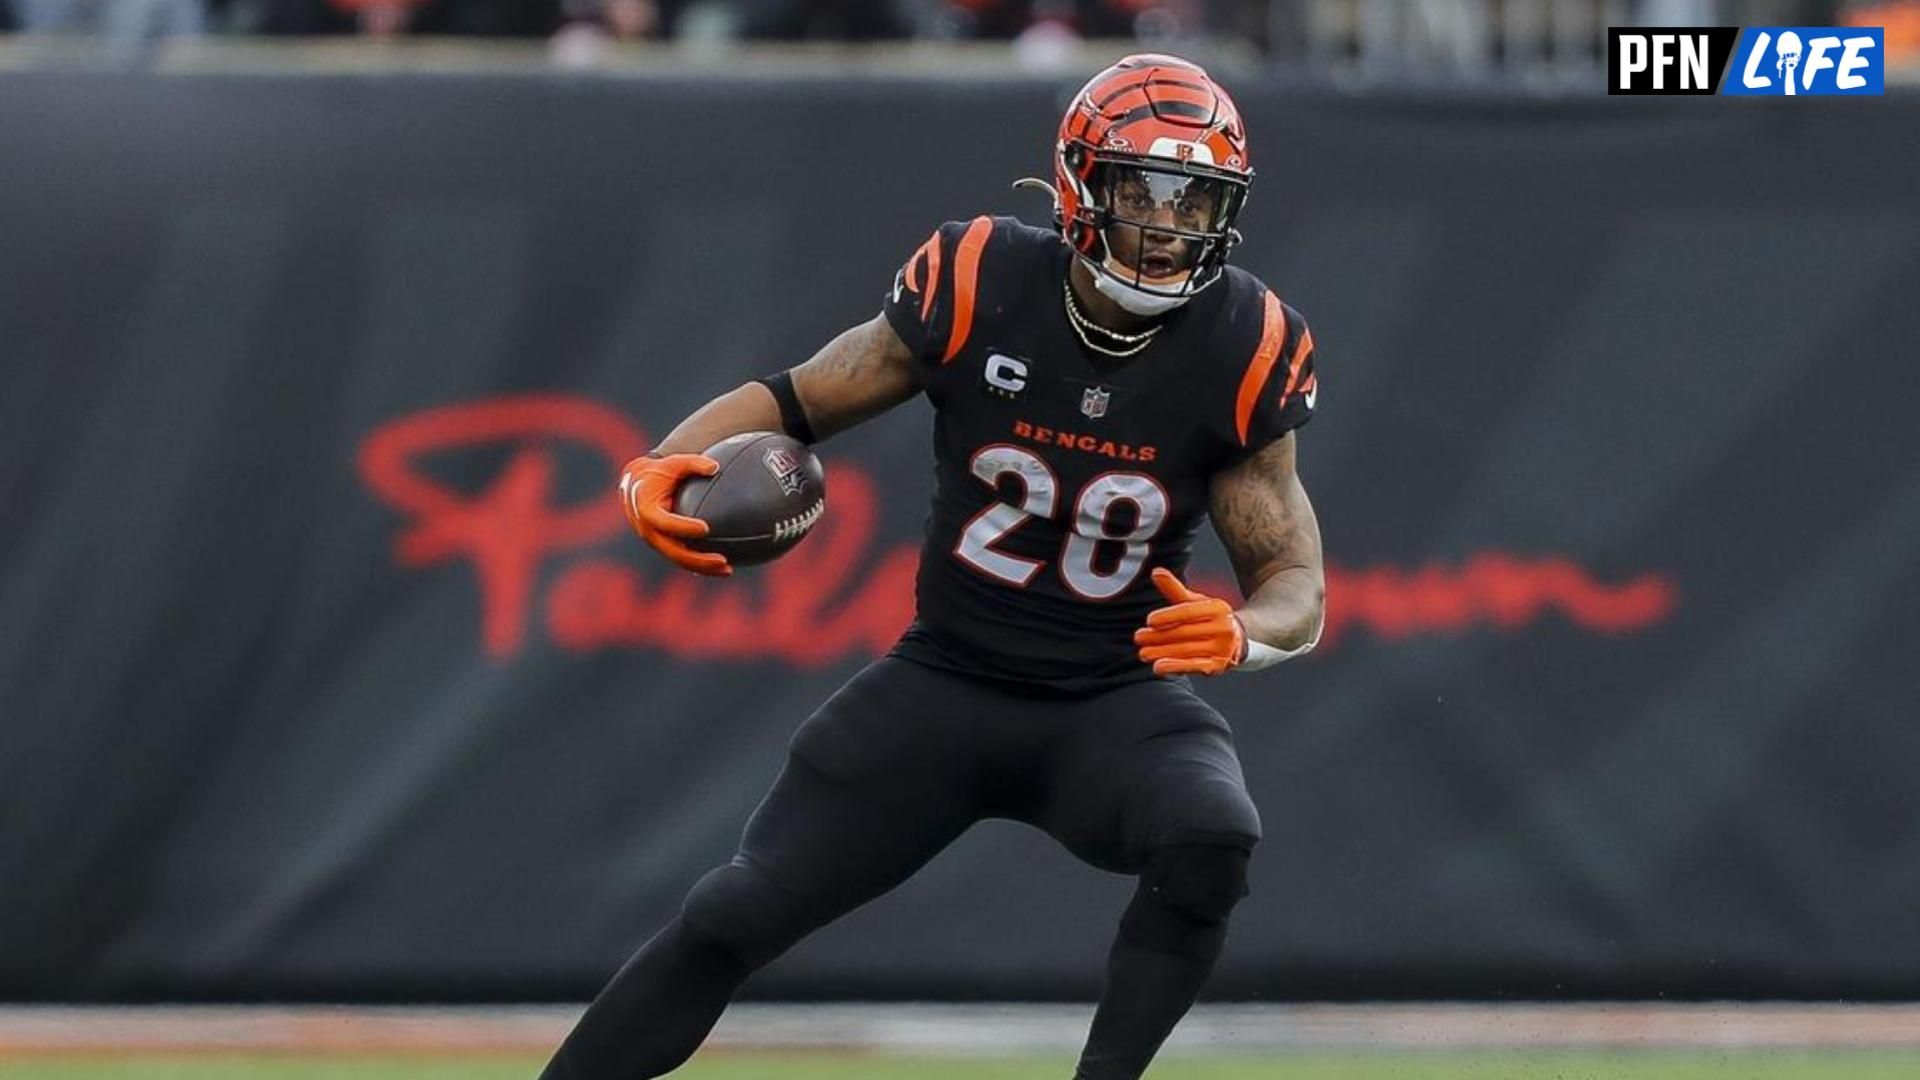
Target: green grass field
(1651,1065)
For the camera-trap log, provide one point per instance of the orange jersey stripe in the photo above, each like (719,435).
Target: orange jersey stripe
(1273,334)
(966,276)
(927,254)
(933,275)
(1300,350)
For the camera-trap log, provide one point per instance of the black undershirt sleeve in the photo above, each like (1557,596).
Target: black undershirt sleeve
(793,418)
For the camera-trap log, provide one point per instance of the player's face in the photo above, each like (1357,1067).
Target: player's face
(1151,209)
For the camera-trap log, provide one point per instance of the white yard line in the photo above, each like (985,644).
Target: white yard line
(968,1029)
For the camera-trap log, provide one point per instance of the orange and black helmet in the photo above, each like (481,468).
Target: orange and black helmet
(1152,144)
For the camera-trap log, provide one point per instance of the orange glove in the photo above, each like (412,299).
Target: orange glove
(1195,635)
(647,485)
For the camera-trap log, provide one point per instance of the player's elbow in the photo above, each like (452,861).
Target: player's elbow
(1316,613)
(1308,611)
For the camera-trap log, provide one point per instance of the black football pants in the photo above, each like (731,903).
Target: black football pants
(1142,779)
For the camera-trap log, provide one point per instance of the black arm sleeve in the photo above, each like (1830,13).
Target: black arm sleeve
(793,418)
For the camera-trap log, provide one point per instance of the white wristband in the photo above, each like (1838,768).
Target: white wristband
(1261,655)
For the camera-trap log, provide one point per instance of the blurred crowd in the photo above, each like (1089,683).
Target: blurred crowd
(842,20)
(1387,35)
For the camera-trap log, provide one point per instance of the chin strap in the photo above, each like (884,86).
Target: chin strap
(1137,301)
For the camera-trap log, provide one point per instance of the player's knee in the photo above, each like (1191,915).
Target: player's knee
(1201,882)
(739,909)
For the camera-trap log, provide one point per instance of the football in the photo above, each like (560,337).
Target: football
(768,494)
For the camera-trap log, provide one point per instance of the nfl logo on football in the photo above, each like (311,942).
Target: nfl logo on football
(785,468)
(1094,402)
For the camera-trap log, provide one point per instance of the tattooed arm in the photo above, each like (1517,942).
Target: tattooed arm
(1262,516)
(857,376)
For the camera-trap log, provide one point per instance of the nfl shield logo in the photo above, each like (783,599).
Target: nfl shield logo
(1094,402)
(785,467)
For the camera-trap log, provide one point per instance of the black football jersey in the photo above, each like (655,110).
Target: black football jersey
(1063,475)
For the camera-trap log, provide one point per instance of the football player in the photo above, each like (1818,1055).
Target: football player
(1099,388)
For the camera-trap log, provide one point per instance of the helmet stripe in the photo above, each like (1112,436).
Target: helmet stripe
(1113,93)
(1273,334)
(1127,99)
(1110,93)
(1174,91)
(966,277)
(1167,110)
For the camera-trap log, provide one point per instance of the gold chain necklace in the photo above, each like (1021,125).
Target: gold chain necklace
(1081,324)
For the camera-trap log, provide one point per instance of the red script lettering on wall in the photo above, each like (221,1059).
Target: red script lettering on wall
(836,596)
